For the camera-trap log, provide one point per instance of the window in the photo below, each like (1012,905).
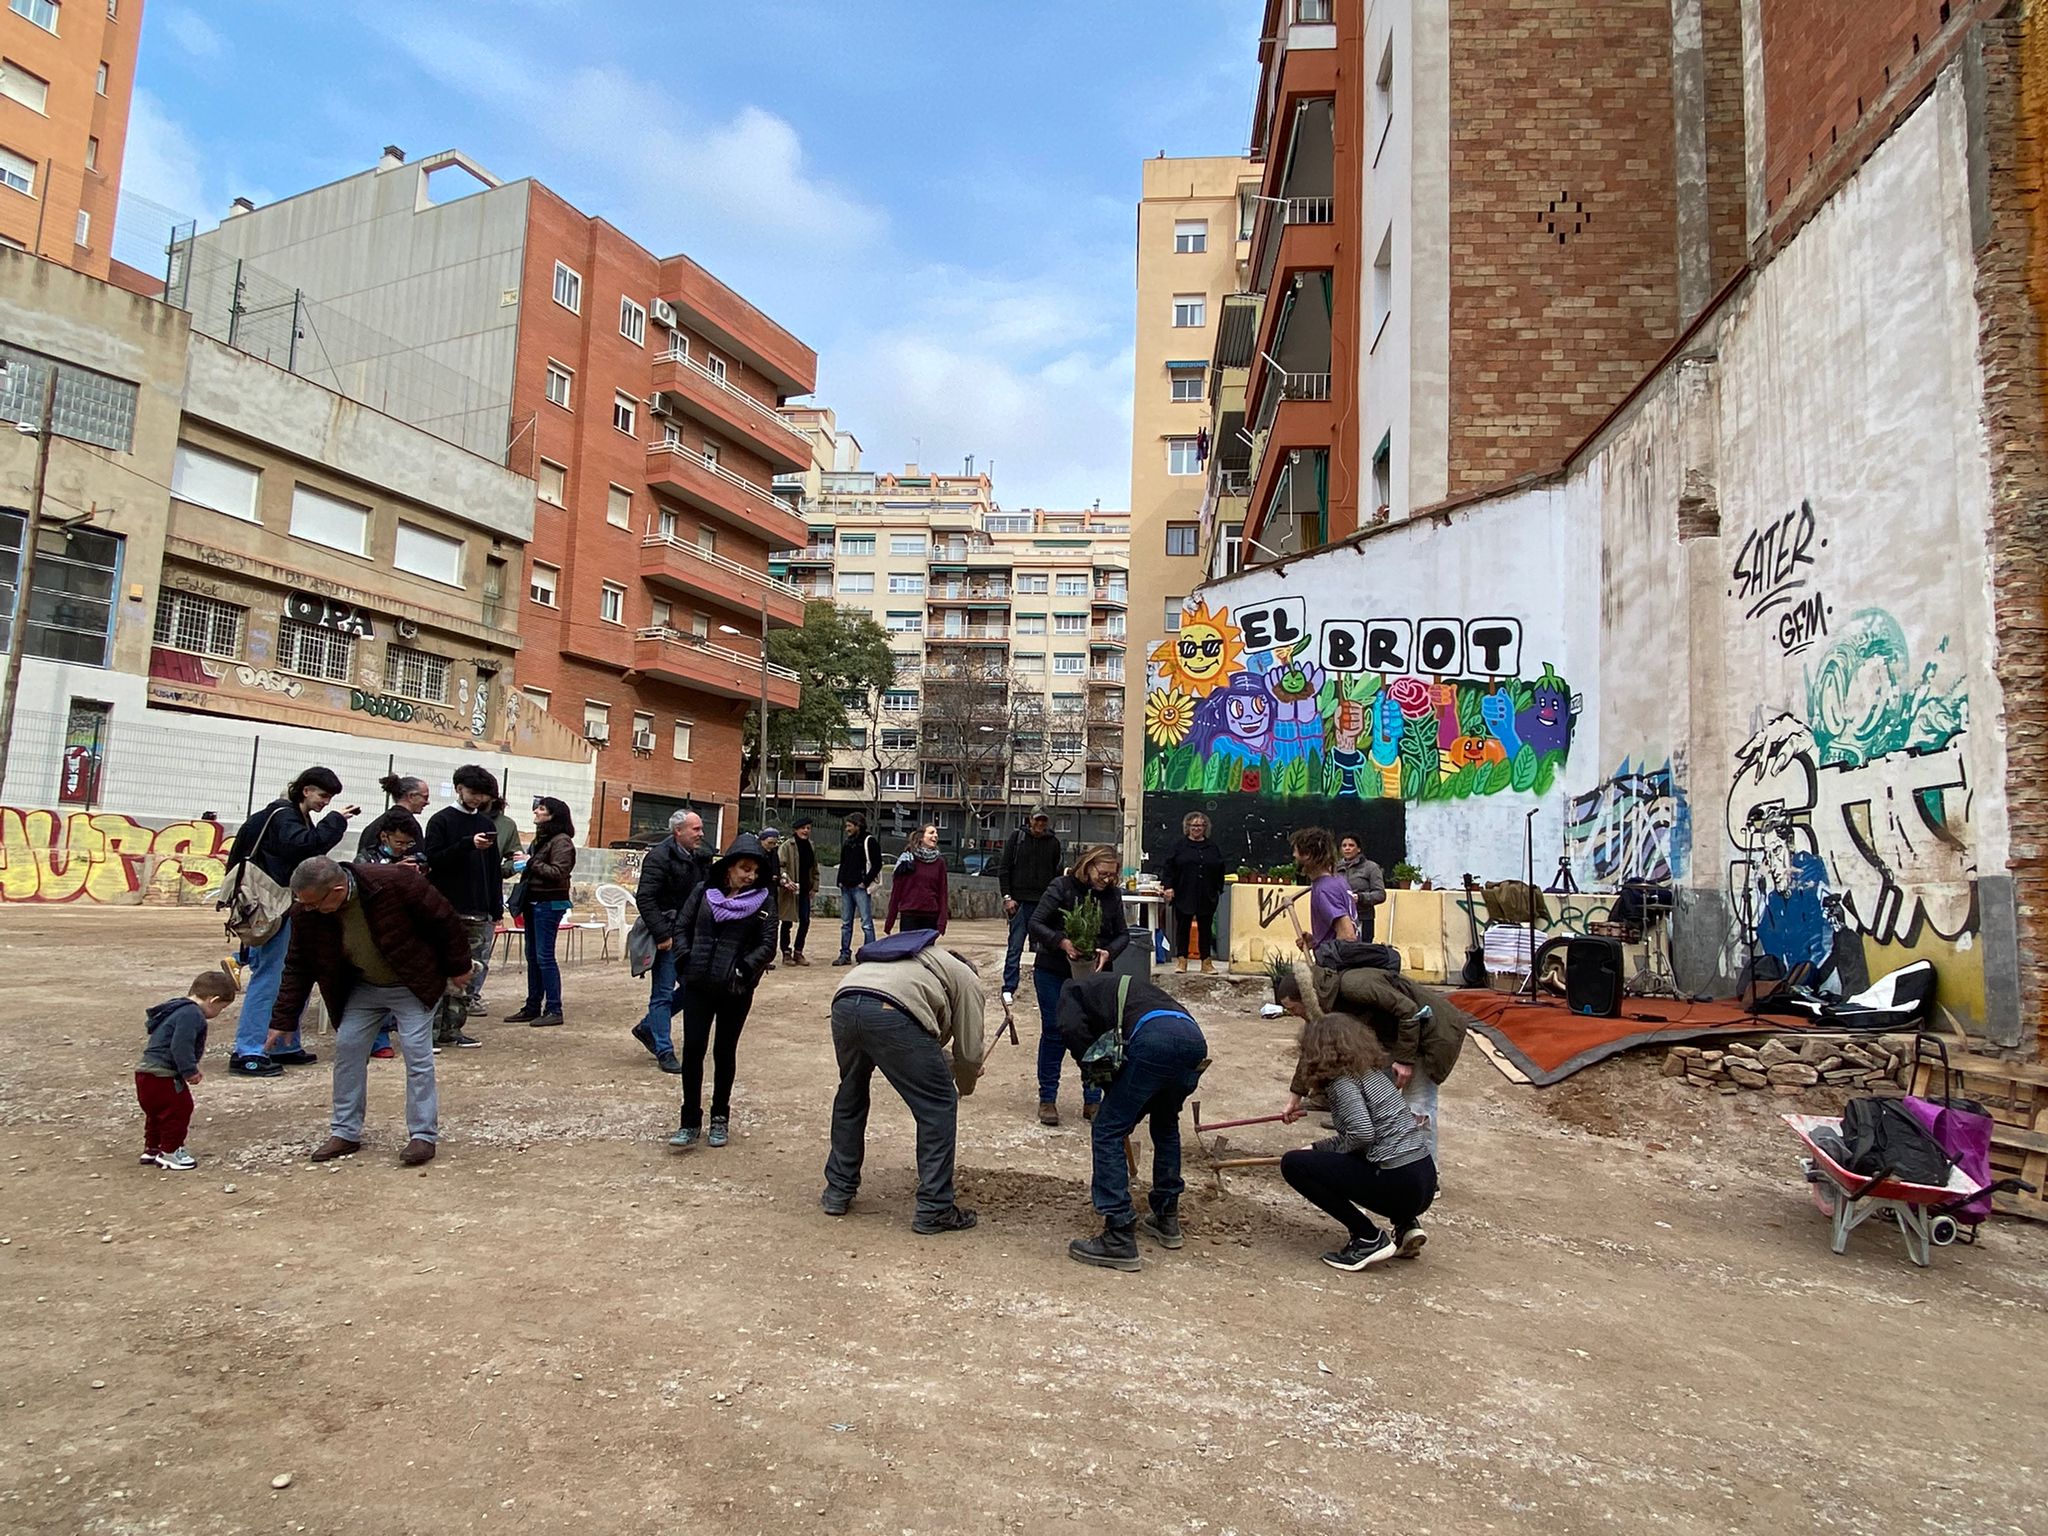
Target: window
(632,322)
(205,626)
(569,288)
(1114,626)
(432,555)
(207,480)
(1006,524)
(905,624)
(671,435)
(1069,666)
(707,539)
(643,733)
(1190,237)
(710,454)
(1183,456)
(539,698)
(906,584)
(906,664)
(611,603)
(663,614)
(899,781)
(415,675)
(625,412)
(1311,10)
(906,544)
(1190,310)
(1173,615)
(846,779)
(328,520)
(1071,586)
(1033,586)
(899,741)
(682,741)
(1383,474)
(99,83)
(1031,626)
(1181,538)
(1233,547)
(678,345)
(618,506)
(92,153)
(326,655)
(852,581)
(542,584)
(32,91)
(715,366)
(900,701)
(1383,100)
(1382,286)
(42,12)
(17,172)
(597,720)
(700,626)
(559,380)
(856,544)
(1186,383)
(1070,624)
(83,234)
(552,483)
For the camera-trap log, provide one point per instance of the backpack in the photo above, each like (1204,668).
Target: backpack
(1104,1057)
(256,905)
(1354,955)
(1884,1141)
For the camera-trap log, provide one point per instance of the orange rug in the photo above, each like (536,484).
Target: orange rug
(1547,1042)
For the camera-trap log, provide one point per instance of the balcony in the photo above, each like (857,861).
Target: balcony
(670,656)
(1102,718)
(1112,597)
(973,634)
(667,561)
(700,393)
(1105,677)
(985,595)
(814,554)
(1104,636)
(794,789)
(683,474)
(1299,60)
(1100,794)
(725,319)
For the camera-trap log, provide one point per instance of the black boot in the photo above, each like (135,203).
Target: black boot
(1116,1248)
(1163,1227)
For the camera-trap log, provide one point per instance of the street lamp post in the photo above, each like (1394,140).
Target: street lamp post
(761,775)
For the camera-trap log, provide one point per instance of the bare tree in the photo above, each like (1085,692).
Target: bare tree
(966,733)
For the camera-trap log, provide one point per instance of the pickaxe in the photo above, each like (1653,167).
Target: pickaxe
(1009,1027)
(1217,1165)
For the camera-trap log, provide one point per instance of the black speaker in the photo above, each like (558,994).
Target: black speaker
(1592,977)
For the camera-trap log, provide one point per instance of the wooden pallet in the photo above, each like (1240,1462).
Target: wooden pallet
(2015,1095)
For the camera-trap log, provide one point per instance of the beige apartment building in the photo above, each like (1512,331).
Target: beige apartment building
(1194,217)
(1008,629)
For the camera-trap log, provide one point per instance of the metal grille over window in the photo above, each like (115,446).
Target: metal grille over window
(416,675)
(315,653)
(205,626)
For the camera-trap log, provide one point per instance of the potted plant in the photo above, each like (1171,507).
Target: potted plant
(1283,874)
(1403,876)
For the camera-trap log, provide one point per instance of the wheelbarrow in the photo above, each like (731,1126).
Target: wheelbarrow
(1849,1199)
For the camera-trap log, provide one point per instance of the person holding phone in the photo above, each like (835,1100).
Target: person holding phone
(463,864)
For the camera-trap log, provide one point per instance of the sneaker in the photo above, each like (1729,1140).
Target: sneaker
(1048,1113)
(719,1133)
(547,1020)
(1409,1242)
(1115,1248)
(1163,1227)
(1009,998)
(299,1058)
(953,1219)
(524,1016)
(686,1138)
(667,1062)
(1362,1253)
(478,1009)
(233,967)
(383,1053)
(148,1159)
(644,1033)
(179,1161)
(254,1066)
(465,1042)
(1208,968)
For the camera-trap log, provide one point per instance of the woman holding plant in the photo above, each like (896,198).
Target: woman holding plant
(1077,927)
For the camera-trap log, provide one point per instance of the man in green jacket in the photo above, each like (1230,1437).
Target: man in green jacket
(1422,1029)
(897,1009)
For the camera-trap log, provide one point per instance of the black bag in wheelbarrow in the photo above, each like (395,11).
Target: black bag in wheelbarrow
(1882,1140)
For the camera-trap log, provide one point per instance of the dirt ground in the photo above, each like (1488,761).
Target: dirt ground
(1627,1317)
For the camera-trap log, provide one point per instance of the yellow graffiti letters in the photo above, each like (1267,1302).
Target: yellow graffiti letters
(104,857)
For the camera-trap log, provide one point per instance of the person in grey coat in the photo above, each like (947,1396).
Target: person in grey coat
(1368,883)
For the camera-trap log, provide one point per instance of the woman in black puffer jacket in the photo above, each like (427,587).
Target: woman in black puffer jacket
(726,936)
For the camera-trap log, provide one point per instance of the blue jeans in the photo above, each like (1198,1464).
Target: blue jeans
(1013,957)
(543,975)
(1052,1050)
(854,898)
(1161,1068)
(663,999)
(259,996)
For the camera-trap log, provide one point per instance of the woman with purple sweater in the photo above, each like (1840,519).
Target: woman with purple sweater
(917,891)
(725,940)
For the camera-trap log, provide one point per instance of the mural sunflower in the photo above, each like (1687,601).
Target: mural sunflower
(1169,713)
(1206,654)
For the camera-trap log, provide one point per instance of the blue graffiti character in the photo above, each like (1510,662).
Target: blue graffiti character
(1546,725)
(1295,687)
(1497,709)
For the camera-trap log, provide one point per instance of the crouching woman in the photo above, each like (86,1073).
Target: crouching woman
(1379,1159)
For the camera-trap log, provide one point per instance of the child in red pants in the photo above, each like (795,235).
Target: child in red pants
(170,1066)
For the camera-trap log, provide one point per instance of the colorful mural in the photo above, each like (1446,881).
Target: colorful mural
(104,857)
(1632,826)
(1255,706)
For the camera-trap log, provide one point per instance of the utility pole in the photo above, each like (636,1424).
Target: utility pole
(17,633)
(761,780)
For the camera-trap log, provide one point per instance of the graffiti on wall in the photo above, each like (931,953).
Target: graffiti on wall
(54,856)
(269,682)
(1633,825)
(1854,822)
(1773,576)
(1421,710)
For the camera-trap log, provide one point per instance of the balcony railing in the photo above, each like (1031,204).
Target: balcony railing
(816,554)
(746,575)
(791,788)
(764,413)
(989,594)
(1118,595)
(711,648)
(766,498)
(1106,675)
(1304,386)
(1308,210)
(971,636)
(1101,636)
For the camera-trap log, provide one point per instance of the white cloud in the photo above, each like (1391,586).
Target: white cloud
(193,33)
(162,163)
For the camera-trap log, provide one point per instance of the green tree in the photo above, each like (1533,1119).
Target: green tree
(839,655)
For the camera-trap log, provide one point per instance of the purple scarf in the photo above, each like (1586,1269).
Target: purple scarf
(730,909)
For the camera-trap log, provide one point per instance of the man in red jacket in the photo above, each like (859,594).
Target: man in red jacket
(375,939)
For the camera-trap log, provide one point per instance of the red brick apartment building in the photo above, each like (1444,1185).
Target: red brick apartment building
(640,394)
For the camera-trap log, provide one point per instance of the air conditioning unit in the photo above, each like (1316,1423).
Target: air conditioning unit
(664,313)
(643,741)
(662,402)
(597,732)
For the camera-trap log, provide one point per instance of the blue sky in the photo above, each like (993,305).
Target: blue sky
(939,197)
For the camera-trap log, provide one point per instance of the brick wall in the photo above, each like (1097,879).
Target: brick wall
(1556,102)
(2012,295)
(1721,41)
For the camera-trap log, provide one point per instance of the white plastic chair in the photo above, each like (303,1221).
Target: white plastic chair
(615,899)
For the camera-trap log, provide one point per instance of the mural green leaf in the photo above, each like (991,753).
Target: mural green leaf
(1546,773)
(1523,774)
(1498,776)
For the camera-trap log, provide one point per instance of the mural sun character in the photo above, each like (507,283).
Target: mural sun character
(1169,714)
(1204,656)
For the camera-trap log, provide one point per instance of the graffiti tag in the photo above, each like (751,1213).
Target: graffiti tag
(327,613)
(269,682)
(1633,826)
(383,705)
(46,856)
(1772,571)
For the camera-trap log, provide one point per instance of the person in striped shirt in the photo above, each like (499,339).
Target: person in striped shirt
(1378,1160)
